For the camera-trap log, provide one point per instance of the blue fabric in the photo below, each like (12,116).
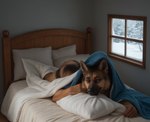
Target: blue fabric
(118,91)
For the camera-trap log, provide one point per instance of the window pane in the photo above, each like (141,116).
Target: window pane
(118,46)
(135,50)
(118,27)
(135,29)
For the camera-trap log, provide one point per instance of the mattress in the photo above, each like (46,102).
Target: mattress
(44,110)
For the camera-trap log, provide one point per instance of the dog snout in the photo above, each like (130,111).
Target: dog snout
(93,91)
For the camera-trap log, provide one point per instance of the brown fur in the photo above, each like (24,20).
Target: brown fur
(96,79)
(67,68)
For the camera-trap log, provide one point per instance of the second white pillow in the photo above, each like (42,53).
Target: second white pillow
(64,51)
(90,107)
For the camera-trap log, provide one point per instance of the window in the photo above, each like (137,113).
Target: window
(127,38)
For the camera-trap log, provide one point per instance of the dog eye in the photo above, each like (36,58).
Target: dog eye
(88,80)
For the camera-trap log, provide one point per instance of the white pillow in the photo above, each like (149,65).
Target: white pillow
(90,107)
(38,68)
(43,55)
(35,71)
(64,51)
(79,57)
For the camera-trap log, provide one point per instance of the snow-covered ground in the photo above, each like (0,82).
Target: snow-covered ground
(134,50)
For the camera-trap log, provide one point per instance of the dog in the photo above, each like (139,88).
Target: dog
(67,68)
(96,79)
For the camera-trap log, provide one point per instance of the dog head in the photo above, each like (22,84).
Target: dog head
(96,79)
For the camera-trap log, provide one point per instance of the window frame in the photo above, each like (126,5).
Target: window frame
(110,36)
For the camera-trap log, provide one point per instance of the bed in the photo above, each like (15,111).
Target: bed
(61,45)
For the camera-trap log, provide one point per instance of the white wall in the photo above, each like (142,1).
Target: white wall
(134,76)
(20,16)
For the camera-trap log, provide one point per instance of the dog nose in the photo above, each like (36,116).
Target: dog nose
(93,91)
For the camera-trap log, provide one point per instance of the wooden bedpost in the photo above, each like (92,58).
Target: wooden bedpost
(7,59)
(89,40)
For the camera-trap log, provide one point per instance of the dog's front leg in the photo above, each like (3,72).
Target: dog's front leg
(83,87)
(75,89)
(69,91)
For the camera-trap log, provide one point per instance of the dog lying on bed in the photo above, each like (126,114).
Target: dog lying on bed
(67,68)
(95,80)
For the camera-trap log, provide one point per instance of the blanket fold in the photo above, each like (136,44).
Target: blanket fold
(37,88)
(118,91)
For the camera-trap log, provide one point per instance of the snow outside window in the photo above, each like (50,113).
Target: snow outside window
(127,38)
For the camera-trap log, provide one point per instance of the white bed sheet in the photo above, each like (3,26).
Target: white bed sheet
(44,110)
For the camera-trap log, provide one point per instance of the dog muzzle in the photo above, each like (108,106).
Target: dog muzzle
(93,91)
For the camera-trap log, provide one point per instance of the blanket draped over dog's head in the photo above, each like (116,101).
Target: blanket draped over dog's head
(119,91)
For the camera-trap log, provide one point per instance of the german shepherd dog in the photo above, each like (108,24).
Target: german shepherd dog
(96,79)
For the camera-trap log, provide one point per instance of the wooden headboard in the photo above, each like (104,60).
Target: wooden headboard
(55,38)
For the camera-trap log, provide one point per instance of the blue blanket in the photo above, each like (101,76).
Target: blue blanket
(118,90)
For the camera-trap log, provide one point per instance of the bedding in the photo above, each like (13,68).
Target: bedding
(25,103)
(90,107)
(44,110)
(43,55)
(56,38)
(37,88)
(64,51)
(29,100)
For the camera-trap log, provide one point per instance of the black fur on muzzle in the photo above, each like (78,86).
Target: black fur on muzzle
(93,91)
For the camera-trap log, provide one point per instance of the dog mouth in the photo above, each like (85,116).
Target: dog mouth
(94,92)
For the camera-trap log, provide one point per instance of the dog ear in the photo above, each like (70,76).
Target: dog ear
(103,65)
(83,66)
